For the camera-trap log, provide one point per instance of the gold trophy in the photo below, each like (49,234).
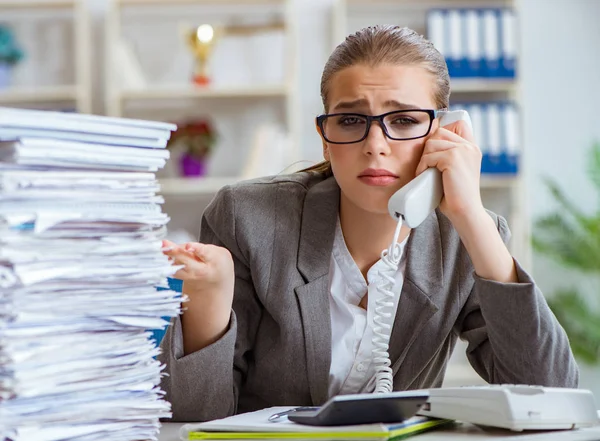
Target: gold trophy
(201,41)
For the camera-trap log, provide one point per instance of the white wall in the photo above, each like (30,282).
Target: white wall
(560,68)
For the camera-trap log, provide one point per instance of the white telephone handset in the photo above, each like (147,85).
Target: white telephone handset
(409,205)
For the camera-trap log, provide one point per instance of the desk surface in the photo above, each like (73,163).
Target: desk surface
(468,432)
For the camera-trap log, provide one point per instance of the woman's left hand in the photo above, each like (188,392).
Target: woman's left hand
(452,150)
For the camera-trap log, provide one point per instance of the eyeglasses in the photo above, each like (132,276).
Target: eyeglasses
(399,125)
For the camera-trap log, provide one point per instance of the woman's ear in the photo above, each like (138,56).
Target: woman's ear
(326,152)
(325,145)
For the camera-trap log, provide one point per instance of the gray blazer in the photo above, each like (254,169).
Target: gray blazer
(277,350)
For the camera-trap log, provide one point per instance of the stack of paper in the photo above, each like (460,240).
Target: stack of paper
(80,259)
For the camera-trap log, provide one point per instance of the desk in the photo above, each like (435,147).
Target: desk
(468,432)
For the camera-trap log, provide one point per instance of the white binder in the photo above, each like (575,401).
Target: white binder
(510,117)
(473,31)
(476,113)
(491,44)
(508,43)
(456,48)
(494,133)
(436,30)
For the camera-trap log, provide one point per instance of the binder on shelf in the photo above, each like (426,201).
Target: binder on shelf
(510,125)
(494,138)
(496,132)
(476,43)
(491,43)
(473,41)
(508,44)
(436,30)
(476,114)
(457,56)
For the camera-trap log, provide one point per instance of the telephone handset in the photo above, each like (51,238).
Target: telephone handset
(409,205)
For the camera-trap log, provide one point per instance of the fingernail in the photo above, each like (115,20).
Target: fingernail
(167,249)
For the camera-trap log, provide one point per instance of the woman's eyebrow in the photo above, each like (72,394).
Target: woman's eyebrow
(401,106)
(345,105)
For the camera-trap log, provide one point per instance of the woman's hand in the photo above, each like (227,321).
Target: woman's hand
(208,281)
(207,268)
(452,150)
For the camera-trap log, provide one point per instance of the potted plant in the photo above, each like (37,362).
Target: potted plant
(10,54)
(571,237)
(196,140)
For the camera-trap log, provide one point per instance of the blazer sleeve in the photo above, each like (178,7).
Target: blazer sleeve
(205,385)
(513,336)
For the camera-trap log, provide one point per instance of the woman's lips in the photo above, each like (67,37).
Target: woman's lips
(377,181)
(377,177)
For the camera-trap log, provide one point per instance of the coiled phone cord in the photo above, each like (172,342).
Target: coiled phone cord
(384,379)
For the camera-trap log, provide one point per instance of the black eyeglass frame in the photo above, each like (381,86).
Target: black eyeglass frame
(433,114)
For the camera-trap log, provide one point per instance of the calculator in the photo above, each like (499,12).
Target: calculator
(344,410)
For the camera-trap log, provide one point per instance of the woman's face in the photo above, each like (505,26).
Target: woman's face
(358,167)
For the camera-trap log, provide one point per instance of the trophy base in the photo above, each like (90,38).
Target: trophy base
(201,80)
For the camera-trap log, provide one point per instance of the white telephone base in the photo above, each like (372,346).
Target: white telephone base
(514,407)
(417,199)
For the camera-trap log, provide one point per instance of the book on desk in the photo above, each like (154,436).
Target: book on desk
(256,425)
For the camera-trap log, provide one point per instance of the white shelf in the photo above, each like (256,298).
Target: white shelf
(426,4)
(197,2)
(184,91)
(194,186)
(490,181)
(460,85)
(79,93)
(38,94)
(37,4)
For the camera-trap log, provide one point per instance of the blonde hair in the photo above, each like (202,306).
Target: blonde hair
(385,44)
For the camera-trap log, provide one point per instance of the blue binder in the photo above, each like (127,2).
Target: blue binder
(491,42)
(508,45)
(174,285)
(473,32)
(497,135)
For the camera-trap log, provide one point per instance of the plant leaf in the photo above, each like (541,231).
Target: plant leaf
(581,324)
(593,169)
(566,243)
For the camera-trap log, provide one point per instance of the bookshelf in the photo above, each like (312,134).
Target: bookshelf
(74,93)
(239,106)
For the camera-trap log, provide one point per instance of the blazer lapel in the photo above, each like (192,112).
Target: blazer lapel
(423,276)
(319,218)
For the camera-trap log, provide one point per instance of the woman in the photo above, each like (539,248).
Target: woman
(281,287)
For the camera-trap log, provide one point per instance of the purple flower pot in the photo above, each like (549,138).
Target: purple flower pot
(5,74)
(191,166)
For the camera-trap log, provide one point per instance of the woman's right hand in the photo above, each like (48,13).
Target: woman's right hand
(208,268)
(208,281)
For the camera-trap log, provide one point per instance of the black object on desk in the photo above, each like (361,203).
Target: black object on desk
(346,410)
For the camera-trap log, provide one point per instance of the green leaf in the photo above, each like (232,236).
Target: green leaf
(569,244)
(593,169)
(581,324)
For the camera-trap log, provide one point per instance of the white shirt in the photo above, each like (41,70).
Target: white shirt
(351,368)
